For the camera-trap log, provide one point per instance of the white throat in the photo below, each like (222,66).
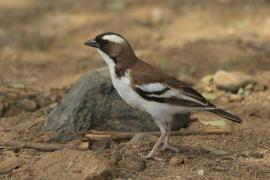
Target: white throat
(109,61)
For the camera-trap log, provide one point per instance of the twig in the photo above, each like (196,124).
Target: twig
(38,146)
(114,135)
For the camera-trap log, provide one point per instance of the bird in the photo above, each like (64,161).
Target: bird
(149,89)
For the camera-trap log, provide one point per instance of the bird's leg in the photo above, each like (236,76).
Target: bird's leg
(166,139)
(156,147)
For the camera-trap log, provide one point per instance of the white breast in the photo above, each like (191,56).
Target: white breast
(124,89)
(122,85)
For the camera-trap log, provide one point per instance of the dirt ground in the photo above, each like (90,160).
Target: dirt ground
(42,55)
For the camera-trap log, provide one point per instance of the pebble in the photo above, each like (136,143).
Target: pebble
(246,153)
(232,81)
(140,137)
(220,152)
(235,98)
(9,164)
(177,160)
(259,154)
(201,172)
(101,145)
(256,154)
(249,87)
(28,105)
(133,162)
(156,17)
(84,145)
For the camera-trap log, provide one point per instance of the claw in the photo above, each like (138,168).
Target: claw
(166,146)
(152,156)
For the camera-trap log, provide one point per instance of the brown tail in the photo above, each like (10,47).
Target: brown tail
(226,115)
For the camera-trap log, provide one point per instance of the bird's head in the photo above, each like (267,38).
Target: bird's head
(112,44)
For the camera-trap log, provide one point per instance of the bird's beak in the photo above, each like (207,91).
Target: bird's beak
(92,43)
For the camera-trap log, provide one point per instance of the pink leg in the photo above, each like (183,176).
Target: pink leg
(166,139)
(156,147)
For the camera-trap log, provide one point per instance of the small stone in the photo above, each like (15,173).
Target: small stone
(133,162)
(220,152)
(256,154)
(177,160)
(218,123)
(259,154)
(140,137)
(235,98)
(208,89)
(9,164)
(232,81)
(207,79)
(84,145)
(201,172)
(209,96)
(28,105)
(246,153)
(260,87)
(156,17)
(101,145)
(249,87)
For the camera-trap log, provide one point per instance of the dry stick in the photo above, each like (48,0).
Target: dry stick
(114,135)
(38,146)
(102,135)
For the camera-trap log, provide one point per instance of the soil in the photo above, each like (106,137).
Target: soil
(42,55)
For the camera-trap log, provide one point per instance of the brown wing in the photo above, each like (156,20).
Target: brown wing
(144,74)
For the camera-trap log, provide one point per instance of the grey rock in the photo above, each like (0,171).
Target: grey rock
(93,103)
(232,81)
(133,162)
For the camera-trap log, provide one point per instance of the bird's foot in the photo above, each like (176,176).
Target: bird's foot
(153,156)
(167,146)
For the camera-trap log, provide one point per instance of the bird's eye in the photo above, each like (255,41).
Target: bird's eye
(105,41)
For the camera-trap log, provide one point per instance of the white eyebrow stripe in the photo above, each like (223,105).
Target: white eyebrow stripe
(113,38)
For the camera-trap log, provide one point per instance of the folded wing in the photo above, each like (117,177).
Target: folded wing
(162,93)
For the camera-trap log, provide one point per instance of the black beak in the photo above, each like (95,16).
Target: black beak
(92,43)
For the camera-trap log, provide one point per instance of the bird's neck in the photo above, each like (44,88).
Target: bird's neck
(120,64)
